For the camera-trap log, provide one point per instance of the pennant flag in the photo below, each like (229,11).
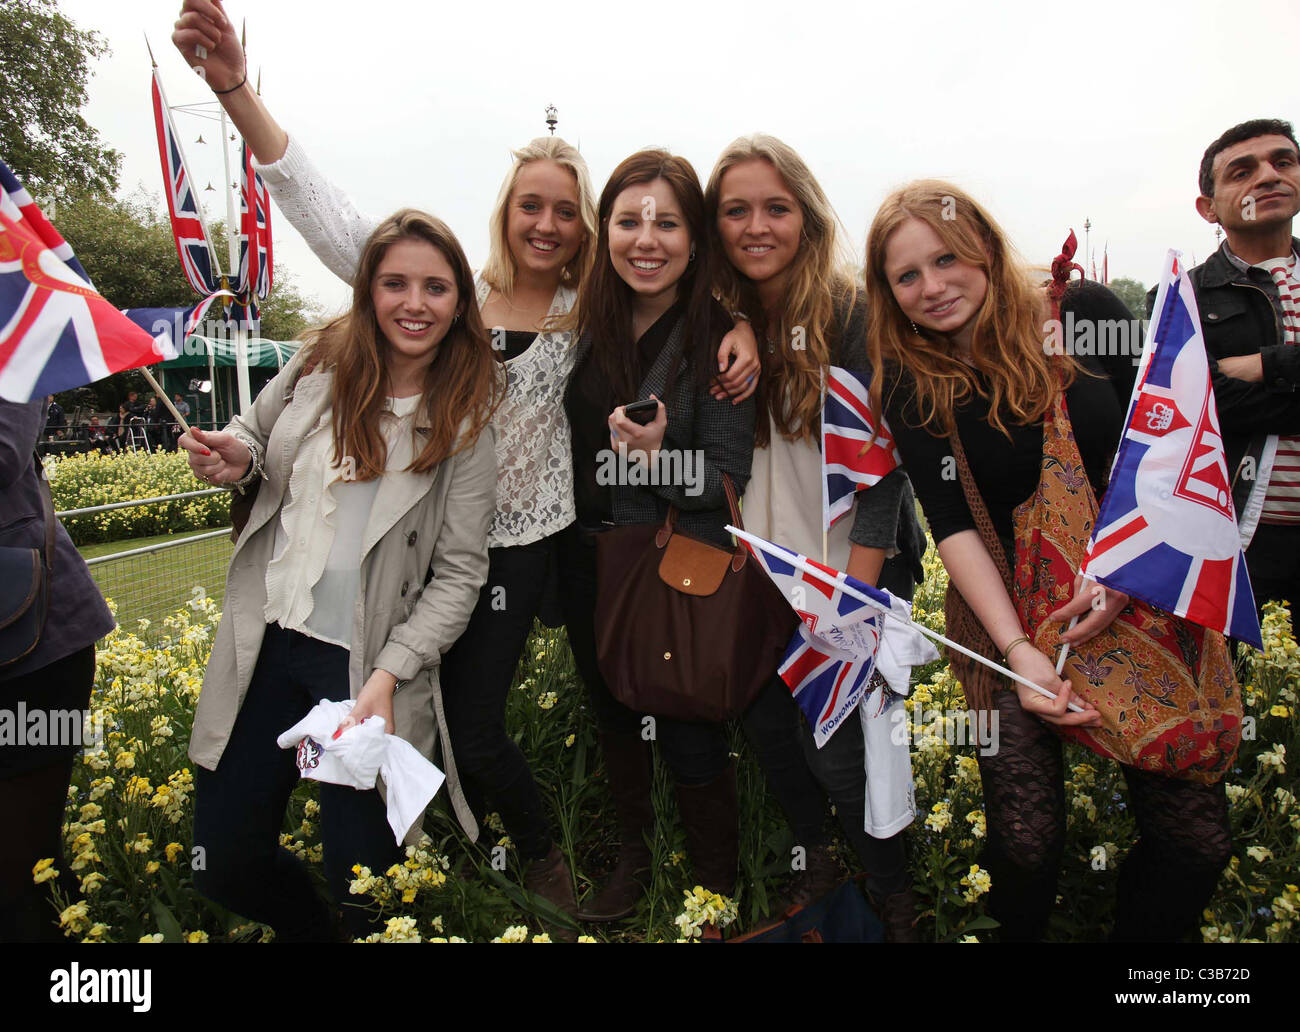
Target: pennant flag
(1167,532)
(847,426)
(829,661)
(193,244)
(55,331)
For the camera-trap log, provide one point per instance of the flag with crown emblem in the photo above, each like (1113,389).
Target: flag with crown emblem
(56,332)
(1166,531)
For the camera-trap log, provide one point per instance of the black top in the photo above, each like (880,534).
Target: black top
(588,402)
(517,342)
(1007,471)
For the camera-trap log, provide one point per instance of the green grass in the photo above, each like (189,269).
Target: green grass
(109,547)
(155,584)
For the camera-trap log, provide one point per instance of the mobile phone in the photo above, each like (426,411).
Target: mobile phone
(642,412)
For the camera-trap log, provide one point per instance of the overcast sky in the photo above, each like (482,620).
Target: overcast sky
(1048,113)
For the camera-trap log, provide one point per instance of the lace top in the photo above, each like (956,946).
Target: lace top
(534,457)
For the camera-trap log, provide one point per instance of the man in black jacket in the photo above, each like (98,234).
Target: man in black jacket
(1248,293)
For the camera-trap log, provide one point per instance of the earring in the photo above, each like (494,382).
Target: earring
(914,329)
(691,258)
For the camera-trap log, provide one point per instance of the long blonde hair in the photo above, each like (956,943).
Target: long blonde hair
(499,269)
(790,388)
(1007,342)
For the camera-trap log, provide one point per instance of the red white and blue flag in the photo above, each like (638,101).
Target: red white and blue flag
(1167,531)
(847,426)
(830,659)
(255,253)
(56,332)
(188,228)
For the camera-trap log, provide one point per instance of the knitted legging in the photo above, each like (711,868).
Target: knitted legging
(1185,838)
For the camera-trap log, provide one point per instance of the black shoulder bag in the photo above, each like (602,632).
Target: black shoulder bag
(25,585)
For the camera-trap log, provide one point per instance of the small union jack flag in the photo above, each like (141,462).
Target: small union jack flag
(1167,532)
(188,229)
(830,659)
(847,426)
(55,331)
(255,256)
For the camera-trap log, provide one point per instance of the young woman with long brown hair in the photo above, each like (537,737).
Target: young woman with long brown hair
(360,564)
(786,266)
(649,329)
(957,332)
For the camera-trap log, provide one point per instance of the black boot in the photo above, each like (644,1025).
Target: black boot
(627,765)
(711,818)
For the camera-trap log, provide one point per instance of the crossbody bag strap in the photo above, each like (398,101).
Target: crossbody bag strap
(47,504)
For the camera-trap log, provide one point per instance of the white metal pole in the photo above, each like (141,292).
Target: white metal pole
(240,336)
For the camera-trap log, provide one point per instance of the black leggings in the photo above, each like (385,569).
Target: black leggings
(1166,879)
(801,777)
(476,676)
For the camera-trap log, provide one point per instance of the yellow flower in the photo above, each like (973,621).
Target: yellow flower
(568,742)
(978,882)
(75,918)
(91,882)
(196,936)
(156,937)
(173,850)
(44,871)
(152,867)
(515,933)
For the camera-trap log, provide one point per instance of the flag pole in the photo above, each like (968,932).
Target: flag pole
(825,498)
(162,396)
(853,592)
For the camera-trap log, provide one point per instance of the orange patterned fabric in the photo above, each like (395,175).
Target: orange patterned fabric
(1165,687)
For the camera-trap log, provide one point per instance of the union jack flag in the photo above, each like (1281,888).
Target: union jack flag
(831,657)
(1167,532)
(847,426)
(255,255)
(188,228)
(55,331)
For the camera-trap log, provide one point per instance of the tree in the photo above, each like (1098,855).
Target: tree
(1132,293)
(44,66)
(127,249)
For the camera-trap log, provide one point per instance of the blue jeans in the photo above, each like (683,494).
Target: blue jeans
(239,807)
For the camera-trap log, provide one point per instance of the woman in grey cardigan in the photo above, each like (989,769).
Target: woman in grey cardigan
(54,678)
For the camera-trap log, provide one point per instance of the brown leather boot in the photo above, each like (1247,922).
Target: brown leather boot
(819,877)
(549,878)
(711,819)
(627,765)
(899,915)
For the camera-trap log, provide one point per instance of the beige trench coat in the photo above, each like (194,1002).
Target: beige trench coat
(420,523)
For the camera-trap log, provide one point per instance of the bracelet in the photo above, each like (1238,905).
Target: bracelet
(1006,653)
(233,88)
(255,469)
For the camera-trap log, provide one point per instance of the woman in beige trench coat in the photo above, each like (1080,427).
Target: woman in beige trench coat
(360,564)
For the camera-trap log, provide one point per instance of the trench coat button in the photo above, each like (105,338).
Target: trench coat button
(410,538)
(1212,316)
(406,586)
(668,655)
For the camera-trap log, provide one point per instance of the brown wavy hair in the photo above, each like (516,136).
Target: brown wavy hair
(604,308)
(1007,342)
(460,383)
(791,384)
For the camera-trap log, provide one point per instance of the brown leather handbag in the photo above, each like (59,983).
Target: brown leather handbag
(684,628)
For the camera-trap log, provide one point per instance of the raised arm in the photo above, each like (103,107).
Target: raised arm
(324,215)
